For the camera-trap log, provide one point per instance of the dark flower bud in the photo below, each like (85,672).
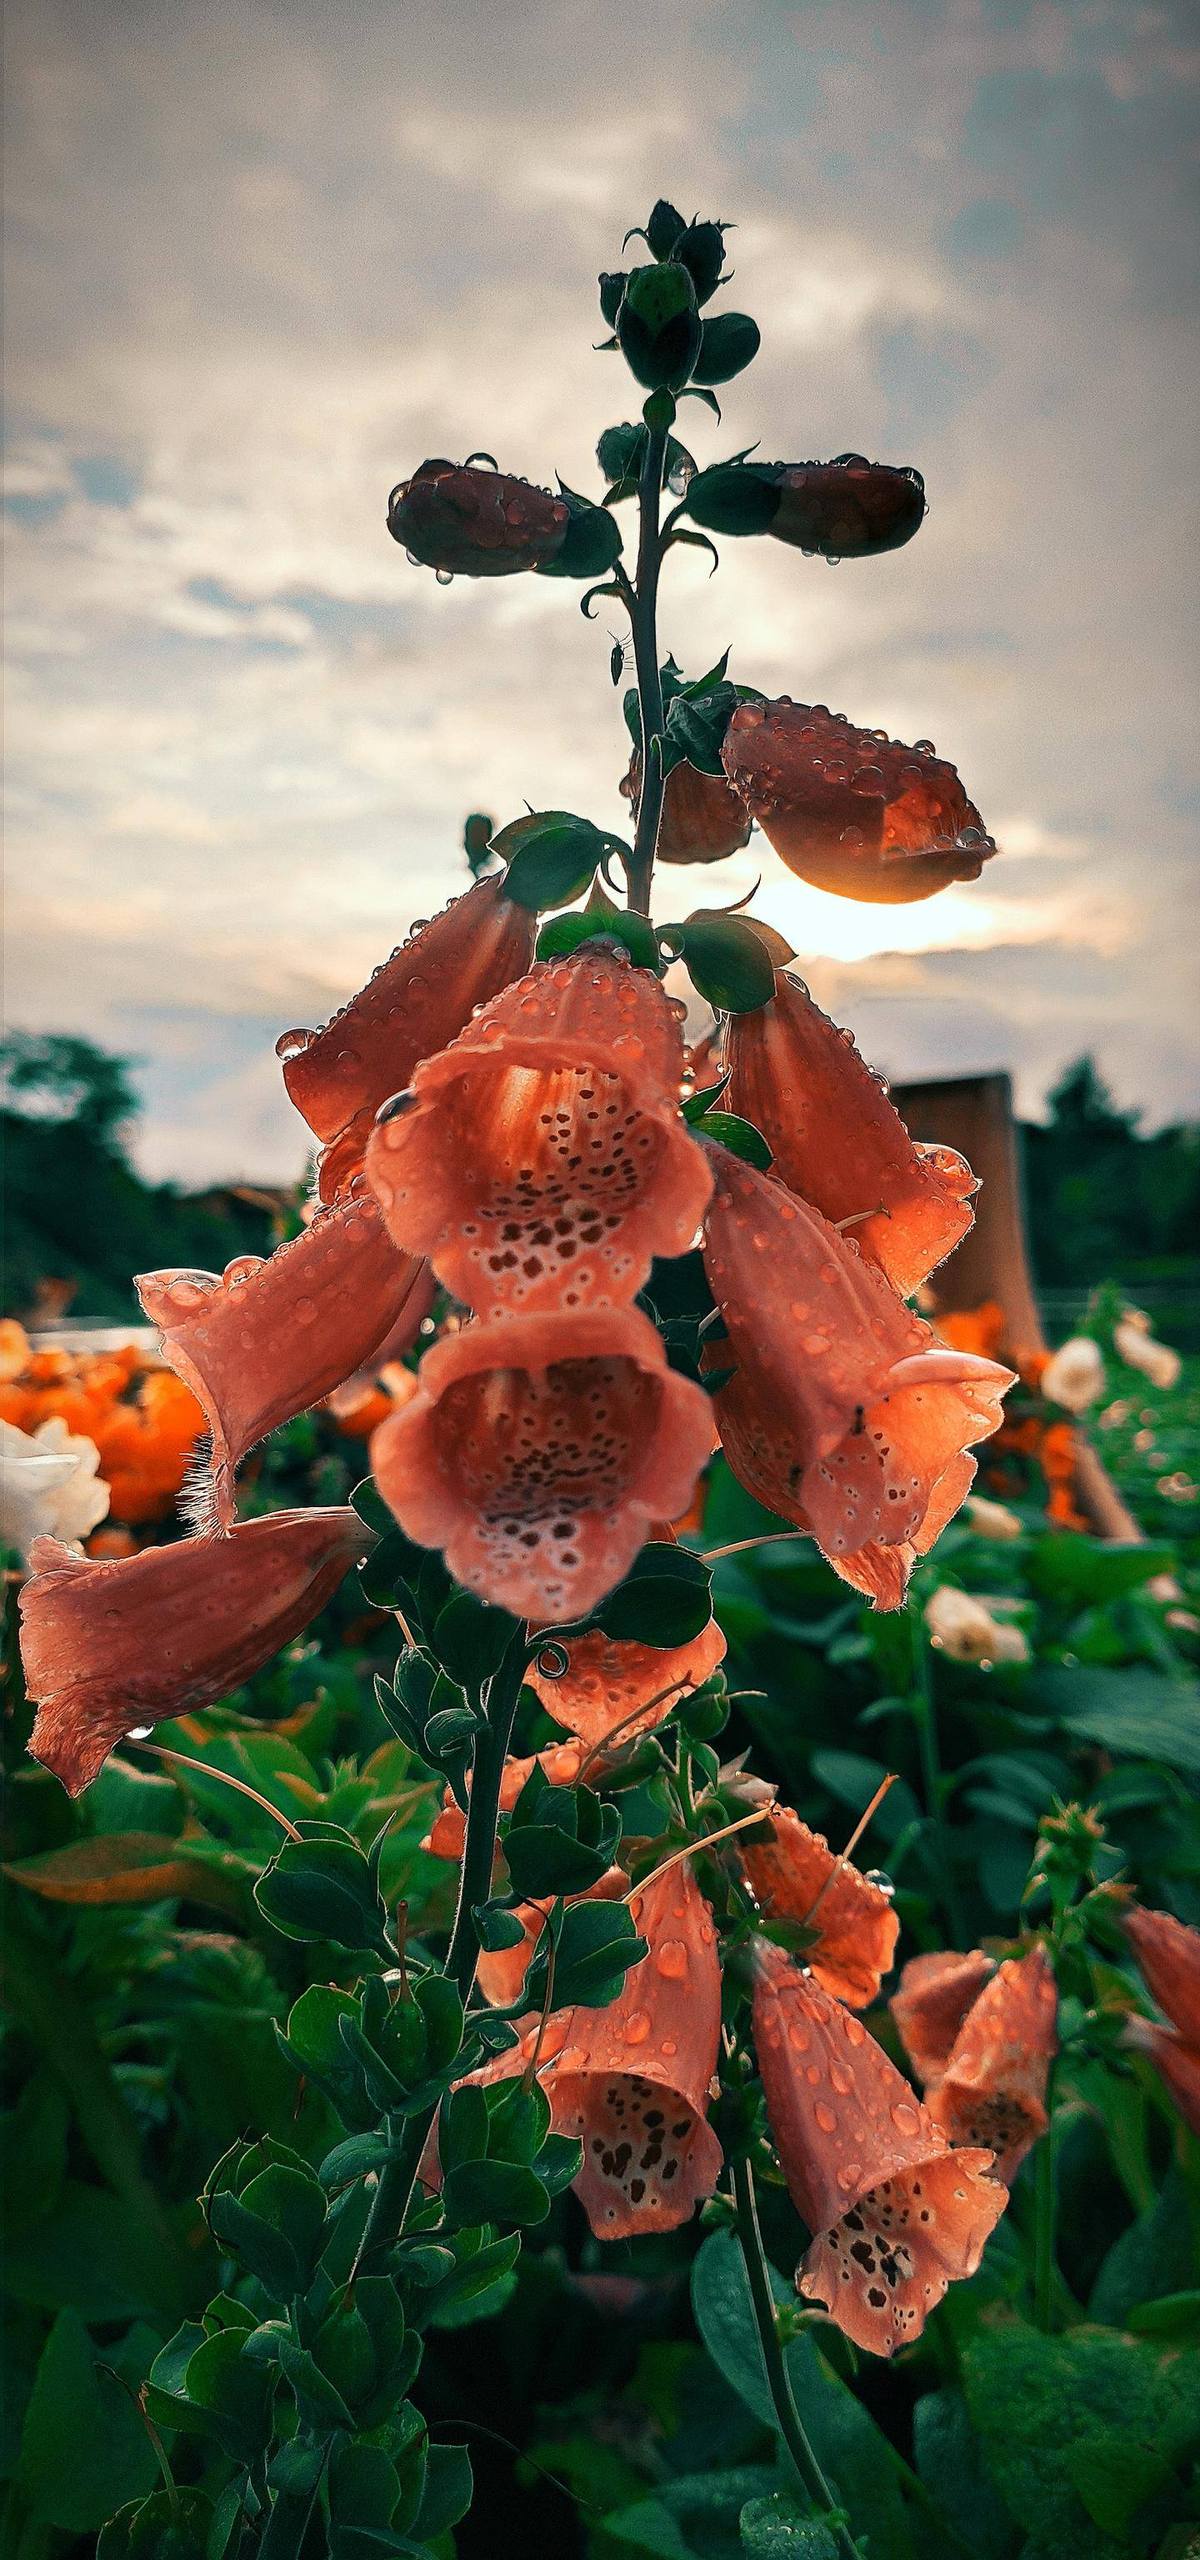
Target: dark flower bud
(611,289)
(659,326)
(848,509)
(465,521)
(702,251)
(664,230)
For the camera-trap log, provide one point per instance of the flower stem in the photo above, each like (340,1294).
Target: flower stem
(932,1781)
(791,2425)
(397,2179)
(644,618)
(1045,2218)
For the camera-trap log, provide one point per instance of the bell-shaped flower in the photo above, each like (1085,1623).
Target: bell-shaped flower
(1074,1374)
(466,521)
(1168,1955)
(410,1006)
(842,1415)
(632,2082)
(794,1875)
(896,2215)
(702,818)
(113,1646)
(934,1994)
(1134,1343)
(839,1142)
(269,1338)
(993,2088)
(1176,2061)
(536,1452)
(541,1160)
(49,1485)
(969,1630)
(608,1689)
(848,509)
(852,810)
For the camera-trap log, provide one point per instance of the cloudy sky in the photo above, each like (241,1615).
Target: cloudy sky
(263,259)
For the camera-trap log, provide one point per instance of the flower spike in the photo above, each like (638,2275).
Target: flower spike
(852,810)
(536,1452)
(270,1338)
(842,1414)
(110,1646)
(410,1006)
(838,1141)
(541,1160)
(896,2215)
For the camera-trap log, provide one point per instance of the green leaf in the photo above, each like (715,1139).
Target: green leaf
(665,1599)
(316,1889)
(726,961)
(597,1944)
(1141,1713)
(740,1136)
(1080,1571)
(447,2493)
(552,857)
(727,345)
(275,2226)
(568,933)
(174,2524)
(695,2518)
(658,326)
(83,2445)
(1078,2431)
(777,2528)
(495,2191)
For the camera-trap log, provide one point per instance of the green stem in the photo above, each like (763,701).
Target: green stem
(1045,2217)
(644,618)
(933,1784)
(791,2425)
(393,2194)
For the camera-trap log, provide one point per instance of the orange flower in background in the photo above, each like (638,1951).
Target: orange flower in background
(934,1995)
(15,1352)
(1168,1955)
(838,1142)
(993,2088)
(536,1452)
(271,1337)
(843,1416)
(110,1646)
(541,1160)
(416,1001)
(794,1875)
(632,2082)
(981,1329)
(702,817)
(469,522)
(145,1438)
(896,2215)
(852,810)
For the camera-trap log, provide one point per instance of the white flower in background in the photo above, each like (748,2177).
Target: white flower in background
(49,1485)
(1134,1343)
(1074,1374)
(964,1627)
(992,1519)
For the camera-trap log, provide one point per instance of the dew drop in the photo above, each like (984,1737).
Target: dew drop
(906,2119)
(445,577)
(825,2116)
(637,2027)
(291,1044)
(671,1959)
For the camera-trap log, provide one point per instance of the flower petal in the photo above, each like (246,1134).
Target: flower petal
(794,1875)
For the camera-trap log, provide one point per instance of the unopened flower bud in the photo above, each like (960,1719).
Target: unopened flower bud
(659,326)
(465,521)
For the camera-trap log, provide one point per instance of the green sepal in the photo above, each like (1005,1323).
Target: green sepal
(659,327)
(726,960)
(727,345)
(591,545)
(735,497)
(665,1599)
(567,933)
(323,1888)
(740,1136)
(595,1945)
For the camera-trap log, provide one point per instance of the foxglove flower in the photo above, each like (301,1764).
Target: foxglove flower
(610,1689)
(848,509)
(411,1005)
(1168,1954)
(1176,2061)
(270,1338)
(110,1646)
(993,2088)
(933,1998)
(469,522)
(837,1140)
(541,1160)
(841,1414)
(702,817)
(896,2215)
(852,810)
(536,1452)
(794,1875)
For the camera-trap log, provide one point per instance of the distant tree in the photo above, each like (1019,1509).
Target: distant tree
(1102,1198)
(54,1076)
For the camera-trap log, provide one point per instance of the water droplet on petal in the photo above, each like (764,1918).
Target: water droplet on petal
(291,1043)
(825,2116)
(637,2027)
(671,1959)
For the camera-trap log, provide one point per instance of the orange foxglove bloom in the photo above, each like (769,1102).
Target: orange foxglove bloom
(416,1001)
(851,810)
(934,1996)
(612,1689)
(1168,1954)
(1176,2061)
(849,509)
(837,1140)
(843,1415)
(795,1875)
(702,817)
(632,2081)
(541,1160)
(271,1337)
(111,1646)
(470,522)
(993,2088)
(536,1452)
(561,1764)
(896,2215)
